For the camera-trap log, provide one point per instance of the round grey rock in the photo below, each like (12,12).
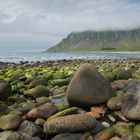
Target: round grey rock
(88,87)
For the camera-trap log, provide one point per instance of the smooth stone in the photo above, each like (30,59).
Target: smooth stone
(25,136)
(115,103)
(71,123)
(118,115)
(30,129)
(125,74)
(42,100)
(40,121)
(119,84)
(43,111)
(88,87)
(37,82)
(10,122)
(136,74)
(68,111)
(37,91)
(137,130)
(72,136)
(131,106)
(3,109)
(9,135)
(5,90)
(122,129)
(130,136)
(105,134)
(115,138)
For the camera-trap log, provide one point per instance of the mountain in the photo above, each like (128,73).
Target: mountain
(120,40)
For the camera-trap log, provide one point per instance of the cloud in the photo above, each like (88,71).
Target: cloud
(48,21)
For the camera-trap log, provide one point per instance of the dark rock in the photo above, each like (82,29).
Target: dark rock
(131,105)
(25,136)
(88,87)
(72,136)
(5,90)
(3,109)
(126,74)
(31,129)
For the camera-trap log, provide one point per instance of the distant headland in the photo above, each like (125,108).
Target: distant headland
(100,41)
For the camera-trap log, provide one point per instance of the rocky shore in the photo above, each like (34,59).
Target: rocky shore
(70,100)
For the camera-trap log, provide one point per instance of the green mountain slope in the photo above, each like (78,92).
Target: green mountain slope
(123,40)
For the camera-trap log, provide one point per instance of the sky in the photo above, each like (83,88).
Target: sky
(35,25)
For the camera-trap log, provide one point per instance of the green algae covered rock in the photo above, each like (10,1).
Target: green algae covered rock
(68,111)
(40,121)
(105,134)
(136,75)
(61,107)
(16,75)
(20,84)
(122,129)
(10,122)
(38,91)
(109,76)
(42,100)
(130,136)
(137,130)
(37,82)
(60,82)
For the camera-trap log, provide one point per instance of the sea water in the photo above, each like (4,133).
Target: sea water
(37,56)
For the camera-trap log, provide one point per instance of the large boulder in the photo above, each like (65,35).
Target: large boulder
(131,106)
(88,87)
(5,90)
(71,123)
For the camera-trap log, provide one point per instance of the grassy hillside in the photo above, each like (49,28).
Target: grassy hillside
(124,40)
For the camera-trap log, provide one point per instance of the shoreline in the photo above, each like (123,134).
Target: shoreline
(40,87)
(70,62)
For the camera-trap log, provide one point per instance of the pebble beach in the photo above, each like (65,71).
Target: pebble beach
(79,99)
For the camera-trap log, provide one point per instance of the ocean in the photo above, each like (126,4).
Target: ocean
(37,56)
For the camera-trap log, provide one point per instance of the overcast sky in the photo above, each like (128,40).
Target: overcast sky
(34,25)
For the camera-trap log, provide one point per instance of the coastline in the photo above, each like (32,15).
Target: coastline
(38,86)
